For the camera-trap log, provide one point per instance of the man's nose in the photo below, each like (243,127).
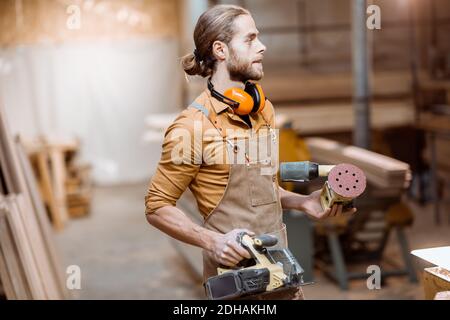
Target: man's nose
(262,48)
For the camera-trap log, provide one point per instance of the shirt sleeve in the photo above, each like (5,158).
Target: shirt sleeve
(179,163)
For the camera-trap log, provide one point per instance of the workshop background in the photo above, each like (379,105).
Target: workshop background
(87,88)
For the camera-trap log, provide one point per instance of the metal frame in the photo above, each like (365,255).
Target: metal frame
(339,270)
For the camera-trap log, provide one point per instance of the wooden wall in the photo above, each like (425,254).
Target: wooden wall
(327,46)
(44,21)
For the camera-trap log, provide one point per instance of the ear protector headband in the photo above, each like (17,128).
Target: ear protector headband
(251,99)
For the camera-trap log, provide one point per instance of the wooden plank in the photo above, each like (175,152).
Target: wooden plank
(13,266)
(380,170)
(7,160)
(22,241)
(309,119)
(29,219)
(21,216)
(376,161)
(58,171)
(40,254)
(42,218)
(6,282)
(47,190)
(435,279)
(292,85)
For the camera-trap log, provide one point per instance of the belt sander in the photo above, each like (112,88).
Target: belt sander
(268,270)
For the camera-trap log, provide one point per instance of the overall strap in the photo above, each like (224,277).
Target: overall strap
(265,120)
(212,117)
(200,107)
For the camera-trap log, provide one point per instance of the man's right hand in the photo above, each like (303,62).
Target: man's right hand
(227,251)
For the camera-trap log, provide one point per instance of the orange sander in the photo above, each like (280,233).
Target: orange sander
(345,181)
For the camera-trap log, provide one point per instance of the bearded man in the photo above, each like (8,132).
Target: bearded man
(232,196)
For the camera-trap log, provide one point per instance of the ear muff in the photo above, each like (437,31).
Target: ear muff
(257,94)
(244,100)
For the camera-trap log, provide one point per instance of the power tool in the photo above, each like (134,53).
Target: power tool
(345,181)
(268,270)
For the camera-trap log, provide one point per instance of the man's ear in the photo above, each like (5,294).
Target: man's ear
(219,50)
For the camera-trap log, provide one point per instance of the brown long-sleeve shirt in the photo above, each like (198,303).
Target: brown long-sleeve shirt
(206,181)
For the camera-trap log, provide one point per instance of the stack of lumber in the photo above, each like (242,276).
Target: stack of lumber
(78,190)
(309,119)
(29,264)
(65,185)
(381,171)
(294,85)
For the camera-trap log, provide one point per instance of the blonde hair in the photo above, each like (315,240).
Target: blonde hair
(215,24)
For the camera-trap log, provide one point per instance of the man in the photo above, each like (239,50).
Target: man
(232,197)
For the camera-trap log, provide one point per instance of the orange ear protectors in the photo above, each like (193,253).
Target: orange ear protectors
(251,99)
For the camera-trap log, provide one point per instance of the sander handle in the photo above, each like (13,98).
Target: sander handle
(302,171)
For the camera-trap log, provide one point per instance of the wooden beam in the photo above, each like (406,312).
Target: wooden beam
(7,160)
(382,171)
(43,221)
(5,280)
(24,249)
(58,170)
(13,269)
(47,190)
(309,119)
(26,219)
(36,242)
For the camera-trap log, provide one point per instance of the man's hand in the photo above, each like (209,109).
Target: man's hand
(313,207)
(227,251)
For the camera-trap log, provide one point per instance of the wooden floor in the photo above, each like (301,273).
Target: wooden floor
(122,257)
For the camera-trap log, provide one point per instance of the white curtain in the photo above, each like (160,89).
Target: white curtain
(99,92)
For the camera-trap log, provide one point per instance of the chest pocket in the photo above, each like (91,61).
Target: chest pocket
(262,186)
(262,179)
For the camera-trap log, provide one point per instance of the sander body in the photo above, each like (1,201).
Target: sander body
(345,182)
(268,270)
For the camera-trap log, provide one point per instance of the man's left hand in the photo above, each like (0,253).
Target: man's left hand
(313,207)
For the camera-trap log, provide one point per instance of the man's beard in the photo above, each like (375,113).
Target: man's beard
(242,70)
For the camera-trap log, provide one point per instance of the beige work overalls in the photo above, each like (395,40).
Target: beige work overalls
(251,200)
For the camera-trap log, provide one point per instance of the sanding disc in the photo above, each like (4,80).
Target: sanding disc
(347,180)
